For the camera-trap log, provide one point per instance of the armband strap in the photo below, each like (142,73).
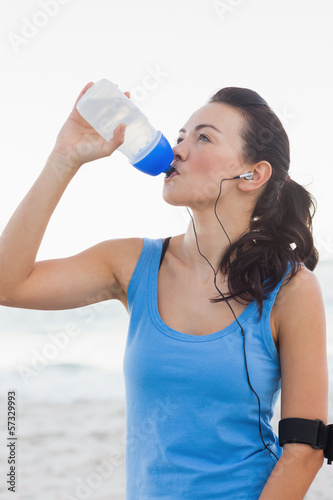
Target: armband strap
(313,432)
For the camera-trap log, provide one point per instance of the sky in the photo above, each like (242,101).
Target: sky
(172,56)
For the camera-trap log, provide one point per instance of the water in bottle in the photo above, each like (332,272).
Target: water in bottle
(105,107)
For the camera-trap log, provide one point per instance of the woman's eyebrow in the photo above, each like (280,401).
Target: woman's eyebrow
(203,125)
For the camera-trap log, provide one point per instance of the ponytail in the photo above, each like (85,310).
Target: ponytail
(298,208)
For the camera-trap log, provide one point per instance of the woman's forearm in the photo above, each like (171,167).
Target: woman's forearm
(293,474)
(21,238)
(77,143)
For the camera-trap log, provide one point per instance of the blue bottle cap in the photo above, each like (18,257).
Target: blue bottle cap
(158,160)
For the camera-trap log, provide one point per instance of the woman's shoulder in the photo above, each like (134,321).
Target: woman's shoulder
(299,296)
(125,253)
(303,283)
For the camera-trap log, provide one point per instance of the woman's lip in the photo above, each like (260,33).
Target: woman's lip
(172,175)
(170,171)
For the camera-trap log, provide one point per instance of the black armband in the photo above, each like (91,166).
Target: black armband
(313,432)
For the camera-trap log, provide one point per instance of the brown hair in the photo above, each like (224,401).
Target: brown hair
(281,225)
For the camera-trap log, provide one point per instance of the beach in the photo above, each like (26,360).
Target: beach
(65,368)
(71,443)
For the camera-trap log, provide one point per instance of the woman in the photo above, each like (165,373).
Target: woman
(218,320)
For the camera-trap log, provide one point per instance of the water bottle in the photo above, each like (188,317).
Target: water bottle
(105,107)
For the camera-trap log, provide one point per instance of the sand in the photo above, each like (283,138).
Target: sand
(72,451)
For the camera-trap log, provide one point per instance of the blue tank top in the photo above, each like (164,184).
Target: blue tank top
(191,418)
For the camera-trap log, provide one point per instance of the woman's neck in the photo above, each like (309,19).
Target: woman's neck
(212,240)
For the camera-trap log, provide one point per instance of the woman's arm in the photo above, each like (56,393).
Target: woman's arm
(97,274)
(299,319)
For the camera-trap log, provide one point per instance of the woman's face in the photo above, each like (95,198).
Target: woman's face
(209,148)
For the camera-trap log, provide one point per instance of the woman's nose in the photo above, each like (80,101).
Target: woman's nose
(180,151)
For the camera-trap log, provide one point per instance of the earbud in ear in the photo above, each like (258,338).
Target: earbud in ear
(248,176)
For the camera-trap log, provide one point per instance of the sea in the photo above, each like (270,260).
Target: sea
(77,354)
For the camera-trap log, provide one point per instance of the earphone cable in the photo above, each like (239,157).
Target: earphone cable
(215,211)
(230,307)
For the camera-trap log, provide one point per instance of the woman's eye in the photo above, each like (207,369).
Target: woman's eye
(203,136)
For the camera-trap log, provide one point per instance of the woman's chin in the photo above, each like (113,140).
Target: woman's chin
(171,200)
(197,202)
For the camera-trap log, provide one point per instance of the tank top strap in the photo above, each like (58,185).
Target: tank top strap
(164,248)
(149,256)
(272,296)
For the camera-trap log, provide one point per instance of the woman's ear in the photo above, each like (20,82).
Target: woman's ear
(262,172)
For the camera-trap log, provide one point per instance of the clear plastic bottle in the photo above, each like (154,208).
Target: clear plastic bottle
(105,107)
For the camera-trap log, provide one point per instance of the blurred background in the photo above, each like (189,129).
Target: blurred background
(66,366)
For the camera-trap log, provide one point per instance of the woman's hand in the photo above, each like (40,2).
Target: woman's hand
(79,143)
